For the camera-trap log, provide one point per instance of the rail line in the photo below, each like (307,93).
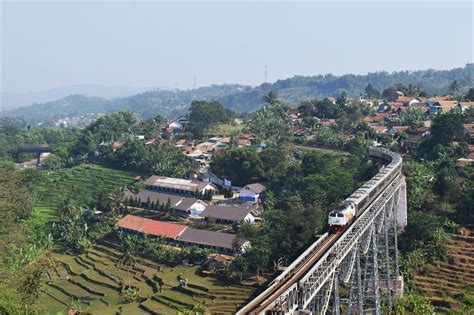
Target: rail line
(297,274)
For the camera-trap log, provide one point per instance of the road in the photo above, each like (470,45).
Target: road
(322,150)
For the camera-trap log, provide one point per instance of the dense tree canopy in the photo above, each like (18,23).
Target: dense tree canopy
(203,115)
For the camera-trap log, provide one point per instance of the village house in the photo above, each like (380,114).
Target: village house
(190,207)
(326,123)
(182,234)
(218,241)
(137,225)
(408,100)
(441,106)
(251,192)
(228,214)
(179,186)
(184,206)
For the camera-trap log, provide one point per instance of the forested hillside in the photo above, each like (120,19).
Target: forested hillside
(241,98)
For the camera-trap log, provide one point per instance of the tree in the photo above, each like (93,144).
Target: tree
(271,98)
(470,95)
(413,304)
(203,115)
(390,94)
(447,128)
(32,282)
(454,87)
(372,92)
(127,257)
(241,165)
(257,257)
(168,205)
(412,117)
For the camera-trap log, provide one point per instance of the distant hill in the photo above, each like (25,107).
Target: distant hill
(15,100)
(298,88)
(242,98)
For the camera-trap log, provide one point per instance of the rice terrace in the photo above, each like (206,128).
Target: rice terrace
(92,283)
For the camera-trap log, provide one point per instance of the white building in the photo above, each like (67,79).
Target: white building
(251,192)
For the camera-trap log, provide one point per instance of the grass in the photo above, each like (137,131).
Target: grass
(102,298)
(81,183)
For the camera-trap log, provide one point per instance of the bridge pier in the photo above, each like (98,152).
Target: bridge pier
(38,159)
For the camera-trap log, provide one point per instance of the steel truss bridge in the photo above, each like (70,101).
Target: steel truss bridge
(37,149)
(353,272)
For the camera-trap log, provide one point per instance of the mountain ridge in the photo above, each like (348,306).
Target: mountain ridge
(242,98)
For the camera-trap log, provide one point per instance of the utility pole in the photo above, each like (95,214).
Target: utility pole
(266,73)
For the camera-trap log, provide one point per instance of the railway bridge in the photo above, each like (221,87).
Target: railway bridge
(354,271)
(37,149)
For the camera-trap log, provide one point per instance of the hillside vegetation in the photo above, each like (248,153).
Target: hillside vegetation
(242,98)
(450,285)
(81,183)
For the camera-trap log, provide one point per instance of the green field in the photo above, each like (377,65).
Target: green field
(82,183)
(80,281)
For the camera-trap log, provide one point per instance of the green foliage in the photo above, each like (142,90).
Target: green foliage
(426,233)
(371,92)
(270,124)
(413,304)
(241,165)
(157,249)
(204,115)
(469,95)
(148,159)
(77,230)
(412,117)
(419,178)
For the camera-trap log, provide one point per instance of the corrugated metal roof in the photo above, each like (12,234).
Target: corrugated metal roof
(152,227)
(209,238)
(226,213)
(155,196)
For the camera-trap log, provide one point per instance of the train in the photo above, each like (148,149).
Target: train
(343,215)
(338,219)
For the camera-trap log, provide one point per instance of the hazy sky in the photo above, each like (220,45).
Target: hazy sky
(45,45)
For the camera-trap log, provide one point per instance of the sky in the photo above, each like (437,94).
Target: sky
(141,44)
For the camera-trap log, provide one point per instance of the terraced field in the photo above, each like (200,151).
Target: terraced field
(450,285)
(93,283)
(81,182)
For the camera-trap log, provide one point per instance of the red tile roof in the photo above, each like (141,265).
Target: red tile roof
(406,99)
(152,227)
(377,118)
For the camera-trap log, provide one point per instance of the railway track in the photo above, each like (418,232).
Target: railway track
(256,307)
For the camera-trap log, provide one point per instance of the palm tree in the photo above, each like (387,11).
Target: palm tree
(271,98)
(127,258)
(454,87)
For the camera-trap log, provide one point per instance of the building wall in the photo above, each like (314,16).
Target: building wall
(250,218)
(248,195)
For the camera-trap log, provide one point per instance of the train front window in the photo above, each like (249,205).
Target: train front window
(332,215)
(340,215)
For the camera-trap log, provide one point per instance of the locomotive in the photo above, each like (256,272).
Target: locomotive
(342,216)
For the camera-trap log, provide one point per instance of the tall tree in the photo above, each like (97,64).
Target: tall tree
(371,92)
(454,87)
(271,98)
(203,115)
(127,257)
